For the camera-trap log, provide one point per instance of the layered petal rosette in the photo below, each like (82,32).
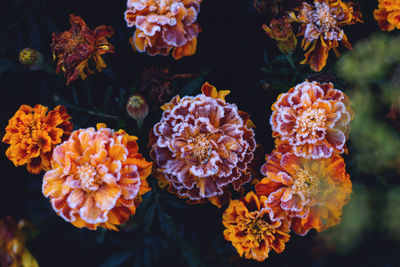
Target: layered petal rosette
(164,25)
(388,14)
(201,146)
(32,134)
(97,178)
(313,119)
(251,229)
(75,48)
(321,26)
(310,192)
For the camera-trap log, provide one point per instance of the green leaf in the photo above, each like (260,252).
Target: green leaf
(194,85)
(167,224)
(148,217)
(116,259)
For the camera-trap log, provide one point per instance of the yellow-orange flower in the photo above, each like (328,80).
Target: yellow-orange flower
(321,26)
(388,14)
(13,251)
(33,133)
(202,146)
(251,229)
(310,192)
(97,178)
(74,48)
(162,25)
(313,119)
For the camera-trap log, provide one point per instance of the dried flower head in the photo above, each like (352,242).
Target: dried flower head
(32,134)
(275,8)
(251,229)
(321,26)
(163,25)
(201,146)
(282,32)
(13,251)
(313,119)
(30,58)
(97,178)
(310,192)
(388,14)
(74,48)
(137,108)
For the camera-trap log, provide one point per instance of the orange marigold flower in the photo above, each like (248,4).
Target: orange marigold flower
(201,146)
(321,26)
(312,192)
(162,25)
(13,251)
(313,119)
(97,178)
(388,14)
(251,229)
(74,48)
(33,133)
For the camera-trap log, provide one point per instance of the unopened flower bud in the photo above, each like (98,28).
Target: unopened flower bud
(137,108)
(30,58)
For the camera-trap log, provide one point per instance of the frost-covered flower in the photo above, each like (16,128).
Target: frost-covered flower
(74,48)
(282,31)
(163,25)
(313,119)
(32,134)
(321,26)
(251,229)
(201,146)
(311,192)
(388,14)
(97,178)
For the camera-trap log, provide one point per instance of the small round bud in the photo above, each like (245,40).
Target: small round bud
(30,58)
(137,108)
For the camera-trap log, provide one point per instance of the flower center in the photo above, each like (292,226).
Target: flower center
(323,16)
(306,183)
(73,42)
(201,148)
(311,120)
(88,177)
(256,226)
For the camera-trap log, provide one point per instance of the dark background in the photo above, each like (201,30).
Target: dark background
(234,54)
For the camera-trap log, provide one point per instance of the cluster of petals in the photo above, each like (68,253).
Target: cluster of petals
(97,178)
(309,192)
(313,119)
(163,25)
(202,146)
(251,229)
(74,48)
(32,134)
(321,26)
(388,14)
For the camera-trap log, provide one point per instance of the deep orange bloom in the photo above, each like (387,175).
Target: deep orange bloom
(97,178)
(74,48)
(202,146)
(163,25)
(310,192)
(313,119)
(321,26)
(13,251)
(251,229)
(33,133)
(388,14)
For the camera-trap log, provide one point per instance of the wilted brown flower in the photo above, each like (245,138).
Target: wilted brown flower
(275,8)
(282,32)
(74,48)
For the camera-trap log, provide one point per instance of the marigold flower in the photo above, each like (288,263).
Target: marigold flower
(32,134)
(97,178)
(201,146)
(313,119)
(282,31)
(388,14)
(251,229)
(13,251)
(321,26)
(162,25)
(312,192)
(74,48)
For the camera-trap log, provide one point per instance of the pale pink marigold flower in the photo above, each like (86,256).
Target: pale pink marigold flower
(201,146)
(163,25)
(313,119)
